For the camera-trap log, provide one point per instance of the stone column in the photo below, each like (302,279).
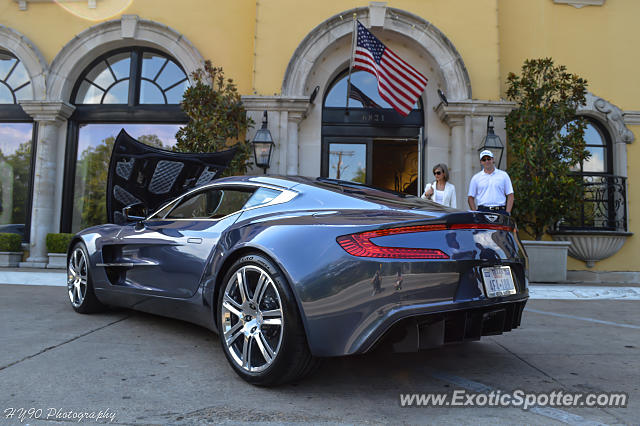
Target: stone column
(291,111)
(456,160)
(50,118)
(294,118)
(465,138)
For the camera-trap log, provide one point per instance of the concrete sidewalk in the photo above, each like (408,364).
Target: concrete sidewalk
(33,276)
(542,291)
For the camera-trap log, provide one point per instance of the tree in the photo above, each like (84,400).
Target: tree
(217,119)
(20,163)
(361,175)
(546,140)
(152,140)
(90,198)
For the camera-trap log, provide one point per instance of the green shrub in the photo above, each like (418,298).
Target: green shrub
(10,242)
(58,243)
(546,142)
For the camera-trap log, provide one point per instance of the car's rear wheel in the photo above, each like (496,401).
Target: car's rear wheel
(259,325)
(79,283)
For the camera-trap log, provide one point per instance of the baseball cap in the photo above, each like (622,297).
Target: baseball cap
(486,153)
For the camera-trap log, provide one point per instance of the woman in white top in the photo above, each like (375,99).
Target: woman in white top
(441,191)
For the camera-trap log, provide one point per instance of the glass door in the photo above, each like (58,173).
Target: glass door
(390,163)
(395,164)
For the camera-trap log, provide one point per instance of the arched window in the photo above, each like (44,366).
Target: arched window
(362,83)
(599,145)
(133,77)
(369,142)
(138,89)
(604,196)
(16,146)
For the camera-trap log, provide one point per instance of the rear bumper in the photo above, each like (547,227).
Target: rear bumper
(432,330)
(446,295)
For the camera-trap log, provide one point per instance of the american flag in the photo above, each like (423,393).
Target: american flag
(358,95)
(398,82)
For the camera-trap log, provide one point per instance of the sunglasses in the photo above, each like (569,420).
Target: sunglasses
(439,172)
(485,159)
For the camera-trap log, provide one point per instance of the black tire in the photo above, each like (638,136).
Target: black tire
(241,320)
(79,282)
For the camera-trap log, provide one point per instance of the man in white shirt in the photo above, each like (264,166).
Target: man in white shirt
(490,189)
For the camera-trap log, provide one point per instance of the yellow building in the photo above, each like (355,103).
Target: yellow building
(74,72)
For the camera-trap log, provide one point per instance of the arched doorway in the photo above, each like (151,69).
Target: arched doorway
(369,142)
(319,63)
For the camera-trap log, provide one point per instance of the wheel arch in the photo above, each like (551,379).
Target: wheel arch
(237,254)
(75,240)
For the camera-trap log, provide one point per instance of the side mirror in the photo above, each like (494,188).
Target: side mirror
(135,211)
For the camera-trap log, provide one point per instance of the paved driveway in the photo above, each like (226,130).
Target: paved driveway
(146,369)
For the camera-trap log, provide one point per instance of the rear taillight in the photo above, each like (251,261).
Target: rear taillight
(361,245)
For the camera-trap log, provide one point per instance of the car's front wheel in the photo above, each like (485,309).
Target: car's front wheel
(259,326)
(79,283)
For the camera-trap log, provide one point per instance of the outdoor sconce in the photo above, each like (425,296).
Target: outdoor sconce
(263,145)
(492,142)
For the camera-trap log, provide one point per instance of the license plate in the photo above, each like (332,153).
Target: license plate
(498,281)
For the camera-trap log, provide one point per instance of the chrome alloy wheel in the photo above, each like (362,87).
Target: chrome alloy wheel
(77,275)
(252,318)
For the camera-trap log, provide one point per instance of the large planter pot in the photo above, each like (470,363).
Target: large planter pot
(592,246)
(547,260)
(57,261)
(10,259)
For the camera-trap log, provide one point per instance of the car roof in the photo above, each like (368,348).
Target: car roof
(351,190)
(286,182)
(289,182)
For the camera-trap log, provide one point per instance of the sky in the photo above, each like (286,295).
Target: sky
(94,134)
(596,162)
(12,135)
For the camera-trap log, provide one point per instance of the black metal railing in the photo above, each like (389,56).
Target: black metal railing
(604,206)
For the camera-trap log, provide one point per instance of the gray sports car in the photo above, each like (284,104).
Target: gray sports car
(291,269)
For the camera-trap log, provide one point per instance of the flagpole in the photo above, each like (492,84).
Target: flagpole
(353,48)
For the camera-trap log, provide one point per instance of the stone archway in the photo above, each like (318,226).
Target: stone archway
(595,245)
(612,117)
(29,55)
(325,52)
(127,31)
(52,109)
(431,39)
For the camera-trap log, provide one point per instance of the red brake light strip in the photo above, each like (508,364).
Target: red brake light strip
(360,244)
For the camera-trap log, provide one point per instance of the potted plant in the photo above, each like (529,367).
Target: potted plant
(545,140)
(10,250)
(57,246)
